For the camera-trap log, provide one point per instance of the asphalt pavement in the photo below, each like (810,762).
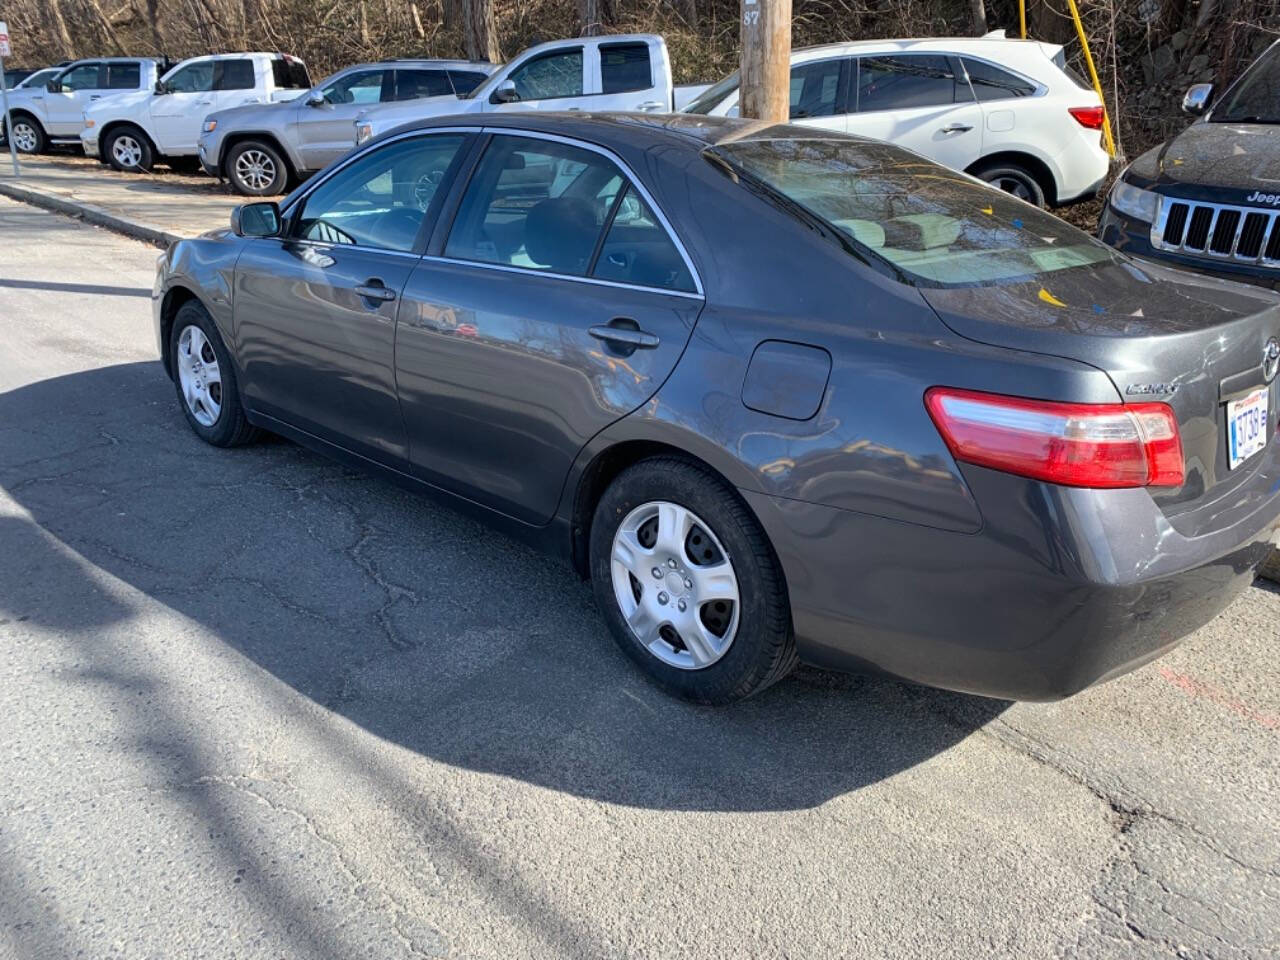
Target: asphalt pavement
(256,704)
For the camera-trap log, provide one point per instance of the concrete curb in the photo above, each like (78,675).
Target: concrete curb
(1270,568)
(139,230)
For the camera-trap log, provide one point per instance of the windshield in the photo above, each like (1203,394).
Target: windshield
(39,78)
(710,98)
(933,226)
(1255,98)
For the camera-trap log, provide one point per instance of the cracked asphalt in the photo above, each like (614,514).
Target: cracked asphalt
(255,704)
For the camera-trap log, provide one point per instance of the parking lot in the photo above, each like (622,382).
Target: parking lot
(258,704)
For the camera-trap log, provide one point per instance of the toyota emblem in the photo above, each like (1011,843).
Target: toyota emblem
(1271,359)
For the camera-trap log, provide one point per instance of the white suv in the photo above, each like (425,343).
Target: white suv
(1008,111)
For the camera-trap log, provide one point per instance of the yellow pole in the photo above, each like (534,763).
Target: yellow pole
(1107,140)
(1022,18)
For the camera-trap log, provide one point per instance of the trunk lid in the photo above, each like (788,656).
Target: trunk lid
(1195,343)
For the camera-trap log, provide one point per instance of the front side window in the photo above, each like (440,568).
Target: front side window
(193,78)
(82,77)
(991,83)
(625,67)
(816,89)
(364,86)
(906,81)
(124,76)
(932,225)
(413,84)
(550,76)
(381,199)
(536,204)
(1256,97)
(234,75)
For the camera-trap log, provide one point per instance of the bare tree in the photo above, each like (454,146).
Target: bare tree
(480,33)
(979,16)
(591,16)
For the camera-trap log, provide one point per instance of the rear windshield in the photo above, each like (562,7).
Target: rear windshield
(710,98)
(1256,96)
(931,225)
(290,73)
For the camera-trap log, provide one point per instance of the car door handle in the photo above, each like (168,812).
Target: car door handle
(95,96)
(651,106)
(625,337)
(375,290)
(956,128)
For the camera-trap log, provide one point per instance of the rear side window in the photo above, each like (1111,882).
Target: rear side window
(290,73)
(906,81)
(412,84)
(124,76)
(637,249)
(992,83)
(464,81)
(234,75)
(625,67)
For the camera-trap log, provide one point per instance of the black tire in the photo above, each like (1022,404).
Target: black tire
(29,136)
(128,150)
(255,168)
(763,649)
(1013,179)
(230,428)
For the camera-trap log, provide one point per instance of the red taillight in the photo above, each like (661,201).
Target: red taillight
(1074,444)
(1091,117)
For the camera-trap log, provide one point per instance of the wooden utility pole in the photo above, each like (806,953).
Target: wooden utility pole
(765,93)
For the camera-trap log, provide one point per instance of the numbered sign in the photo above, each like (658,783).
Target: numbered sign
(4,39)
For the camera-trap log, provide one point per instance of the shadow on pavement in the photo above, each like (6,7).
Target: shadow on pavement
(416,623)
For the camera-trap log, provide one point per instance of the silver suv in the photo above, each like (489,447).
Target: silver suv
(258,148)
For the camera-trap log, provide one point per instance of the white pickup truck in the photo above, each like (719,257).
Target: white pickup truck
(135,131)
(620,72)
(52,112)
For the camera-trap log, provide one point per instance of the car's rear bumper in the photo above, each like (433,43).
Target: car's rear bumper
(1061,588)
(1134,237)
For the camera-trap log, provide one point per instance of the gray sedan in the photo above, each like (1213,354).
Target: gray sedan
(781,395)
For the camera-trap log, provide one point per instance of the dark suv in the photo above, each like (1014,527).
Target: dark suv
(1209,199)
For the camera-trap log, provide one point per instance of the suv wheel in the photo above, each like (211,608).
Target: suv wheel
(28,135)
(206,380)
(1013,179)
(129,150)
(688,583)
(256,169)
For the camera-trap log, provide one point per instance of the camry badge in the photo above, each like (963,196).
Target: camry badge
(1271,359)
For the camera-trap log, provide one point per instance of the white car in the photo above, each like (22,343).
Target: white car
(619,72)
(1007,111)
(133,131)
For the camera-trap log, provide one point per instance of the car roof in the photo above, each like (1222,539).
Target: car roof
(448,64)
(993,47)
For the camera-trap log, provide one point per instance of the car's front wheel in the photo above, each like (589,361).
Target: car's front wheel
(129,150)
(689,584)
(256,169)
(206,380)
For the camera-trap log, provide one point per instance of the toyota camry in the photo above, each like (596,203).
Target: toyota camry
(781,394)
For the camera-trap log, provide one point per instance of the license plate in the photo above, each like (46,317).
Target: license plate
(1247,426)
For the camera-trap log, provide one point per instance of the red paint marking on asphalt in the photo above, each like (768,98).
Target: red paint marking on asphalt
(1204,691)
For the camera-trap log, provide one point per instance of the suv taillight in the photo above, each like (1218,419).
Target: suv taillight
(1090,117)
(1074,444)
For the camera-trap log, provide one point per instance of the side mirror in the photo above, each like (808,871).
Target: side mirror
(256,219)
(1197,99)
(506,93)
(315,99)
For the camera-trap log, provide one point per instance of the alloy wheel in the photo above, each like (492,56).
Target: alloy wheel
(25,137)
(126,151)
(255,169)
(675,585)
(199,376)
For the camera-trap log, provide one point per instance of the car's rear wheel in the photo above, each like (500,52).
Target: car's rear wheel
(256,169)
(28,135)
(688,583)
(129,150)
(1013,179)
(206,380)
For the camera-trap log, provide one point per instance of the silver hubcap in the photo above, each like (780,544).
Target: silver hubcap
(1015,186)
(675,585)
(255,169)
(199,377)
(24,137)
(126,151)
